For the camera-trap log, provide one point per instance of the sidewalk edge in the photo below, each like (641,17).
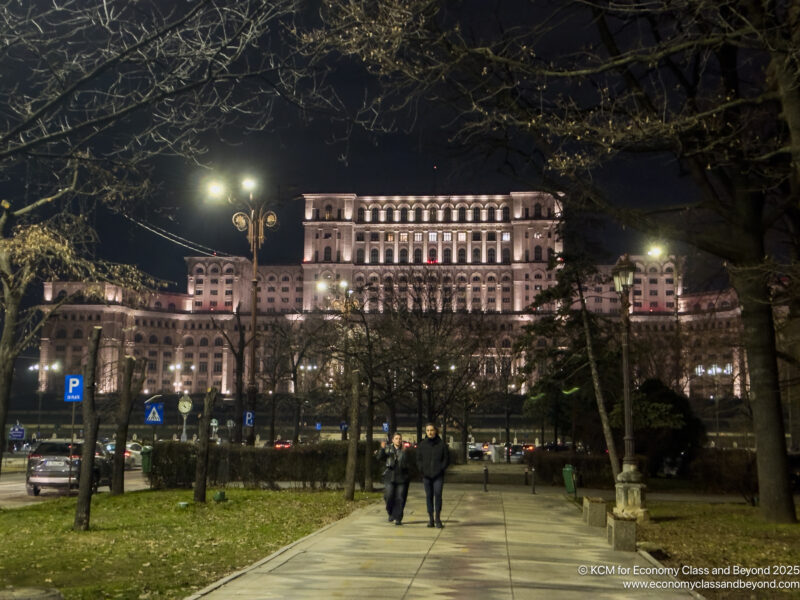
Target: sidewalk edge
(656,563)
(228,578)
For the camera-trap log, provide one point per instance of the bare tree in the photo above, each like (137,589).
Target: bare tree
(132,380)
(87,482)
(709,88)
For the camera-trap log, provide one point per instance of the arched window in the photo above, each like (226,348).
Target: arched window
(138,338)
(418,214)
(432,215)
(506,256)
(328,212)
(203,341)
(537,211)
(403,256)
(431,255)
(153,340)
(506,343)
(491,214)
(506,214)
(373,255)
(388,256)
(198,271)
(157,304)
(462,213)
(404,215)
(418,255)
(537,253)
(326,254)
(447,255)
(462,255)
(360,256)
(77,334)
(390,215)
(167,340)
(491,255)
(188,341)
(476,214)
(360,215)
(218,342)
(374,218)
(476,255)
(448,214)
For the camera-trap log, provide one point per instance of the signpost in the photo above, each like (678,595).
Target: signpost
(184,407)
(73,392)
(249,418)
(16,432)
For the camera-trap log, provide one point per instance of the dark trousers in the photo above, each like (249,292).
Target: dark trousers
(433,493)
(395,495)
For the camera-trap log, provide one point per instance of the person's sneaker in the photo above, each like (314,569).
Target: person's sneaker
(439,525)
(430,523)
(391,519)
(398,522)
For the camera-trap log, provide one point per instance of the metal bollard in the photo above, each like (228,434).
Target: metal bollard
(485,479)
(533,480)
(526,475)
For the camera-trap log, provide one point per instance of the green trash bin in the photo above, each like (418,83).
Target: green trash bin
(569,479)
(147,459)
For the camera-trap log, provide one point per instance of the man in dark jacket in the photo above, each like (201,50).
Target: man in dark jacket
(395,477)
(433,457)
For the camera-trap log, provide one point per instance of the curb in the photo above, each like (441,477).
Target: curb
(221,582)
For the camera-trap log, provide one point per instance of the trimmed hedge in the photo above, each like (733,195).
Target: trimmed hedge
(315,465)
(734,470)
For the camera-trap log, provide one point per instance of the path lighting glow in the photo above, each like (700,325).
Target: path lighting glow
(655,251)
(248,184)
(216,189)
(322,286)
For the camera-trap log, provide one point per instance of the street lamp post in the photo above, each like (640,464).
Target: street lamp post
(55,367)
(254,221)
(630,490)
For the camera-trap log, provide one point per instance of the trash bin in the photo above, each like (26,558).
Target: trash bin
(147,459)
(569,478)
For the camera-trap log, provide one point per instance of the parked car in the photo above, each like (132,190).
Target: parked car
(515,453)
(57,464)
(133,454)
(475,452)
(283,444)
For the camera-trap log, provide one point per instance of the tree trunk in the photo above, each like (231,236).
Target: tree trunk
(352,445)
(419,412)
(465,432)
(7,358)
(296,410)
(392,418)
(128,393)
(598,390)
(368,419)
(90,425)
(201,472)
(272,408)
(775,494)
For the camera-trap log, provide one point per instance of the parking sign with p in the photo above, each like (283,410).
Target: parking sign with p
(73,388)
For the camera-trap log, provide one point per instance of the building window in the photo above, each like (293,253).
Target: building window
(431,255)
(326,254)
(432,215)
(390,215)
(462,255)
(491,236)
(389,236)
(404,215)
(373,256)
(403,256)
(506,256)
(462,214)
(404,236)
(418,215)
(537,253)
(476,255)
(476,236)
(490,214)
(476,214)
(388,256)
(360,215)
(432,236)
(491,255)
(359,236)
(447,255)
(506,236)
(374,236)
(418,255)
(506,214)
(447,236)
(375,214)
(417,236)
(448,214)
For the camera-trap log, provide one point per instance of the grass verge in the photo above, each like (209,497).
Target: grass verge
(702,536)
(142,545)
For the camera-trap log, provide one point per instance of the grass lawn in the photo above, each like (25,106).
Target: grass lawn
(142,545)
(712,536)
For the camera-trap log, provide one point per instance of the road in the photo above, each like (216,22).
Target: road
(13,495)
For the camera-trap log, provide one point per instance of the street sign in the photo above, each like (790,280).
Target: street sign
(249,418)
(214,423)
(154,413)
(386,427)
(73,388)
(230,423)
(319,426)
(16,432)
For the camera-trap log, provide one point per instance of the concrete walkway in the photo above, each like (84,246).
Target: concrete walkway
(501,544)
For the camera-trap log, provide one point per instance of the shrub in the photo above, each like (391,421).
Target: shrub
(715,470)
(592,470)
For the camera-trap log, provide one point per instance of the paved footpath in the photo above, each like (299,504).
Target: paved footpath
(501,544)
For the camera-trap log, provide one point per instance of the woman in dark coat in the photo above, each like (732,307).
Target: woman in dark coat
(395,477)
(433,457)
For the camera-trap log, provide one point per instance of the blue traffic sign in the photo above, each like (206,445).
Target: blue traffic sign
(249,418)
(154,413)
(16,433)
(319,426)
(386,427)
(73,388)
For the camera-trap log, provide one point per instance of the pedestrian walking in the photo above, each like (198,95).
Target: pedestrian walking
(395,477)
(433,457)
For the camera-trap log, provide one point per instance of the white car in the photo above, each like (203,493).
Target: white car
(133,454)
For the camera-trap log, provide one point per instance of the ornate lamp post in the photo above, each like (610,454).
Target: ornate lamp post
(630,490)
(55,367)
(254,221)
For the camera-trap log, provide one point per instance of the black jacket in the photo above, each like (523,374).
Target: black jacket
(433,457)
(396,464)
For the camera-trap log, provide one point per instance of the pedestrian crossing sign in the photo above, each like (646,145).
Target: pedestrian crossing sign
(154,413)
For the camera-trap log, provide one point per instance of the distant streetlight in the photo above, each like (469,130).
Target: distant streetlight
(630,490)
(46,368)
(254,221)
